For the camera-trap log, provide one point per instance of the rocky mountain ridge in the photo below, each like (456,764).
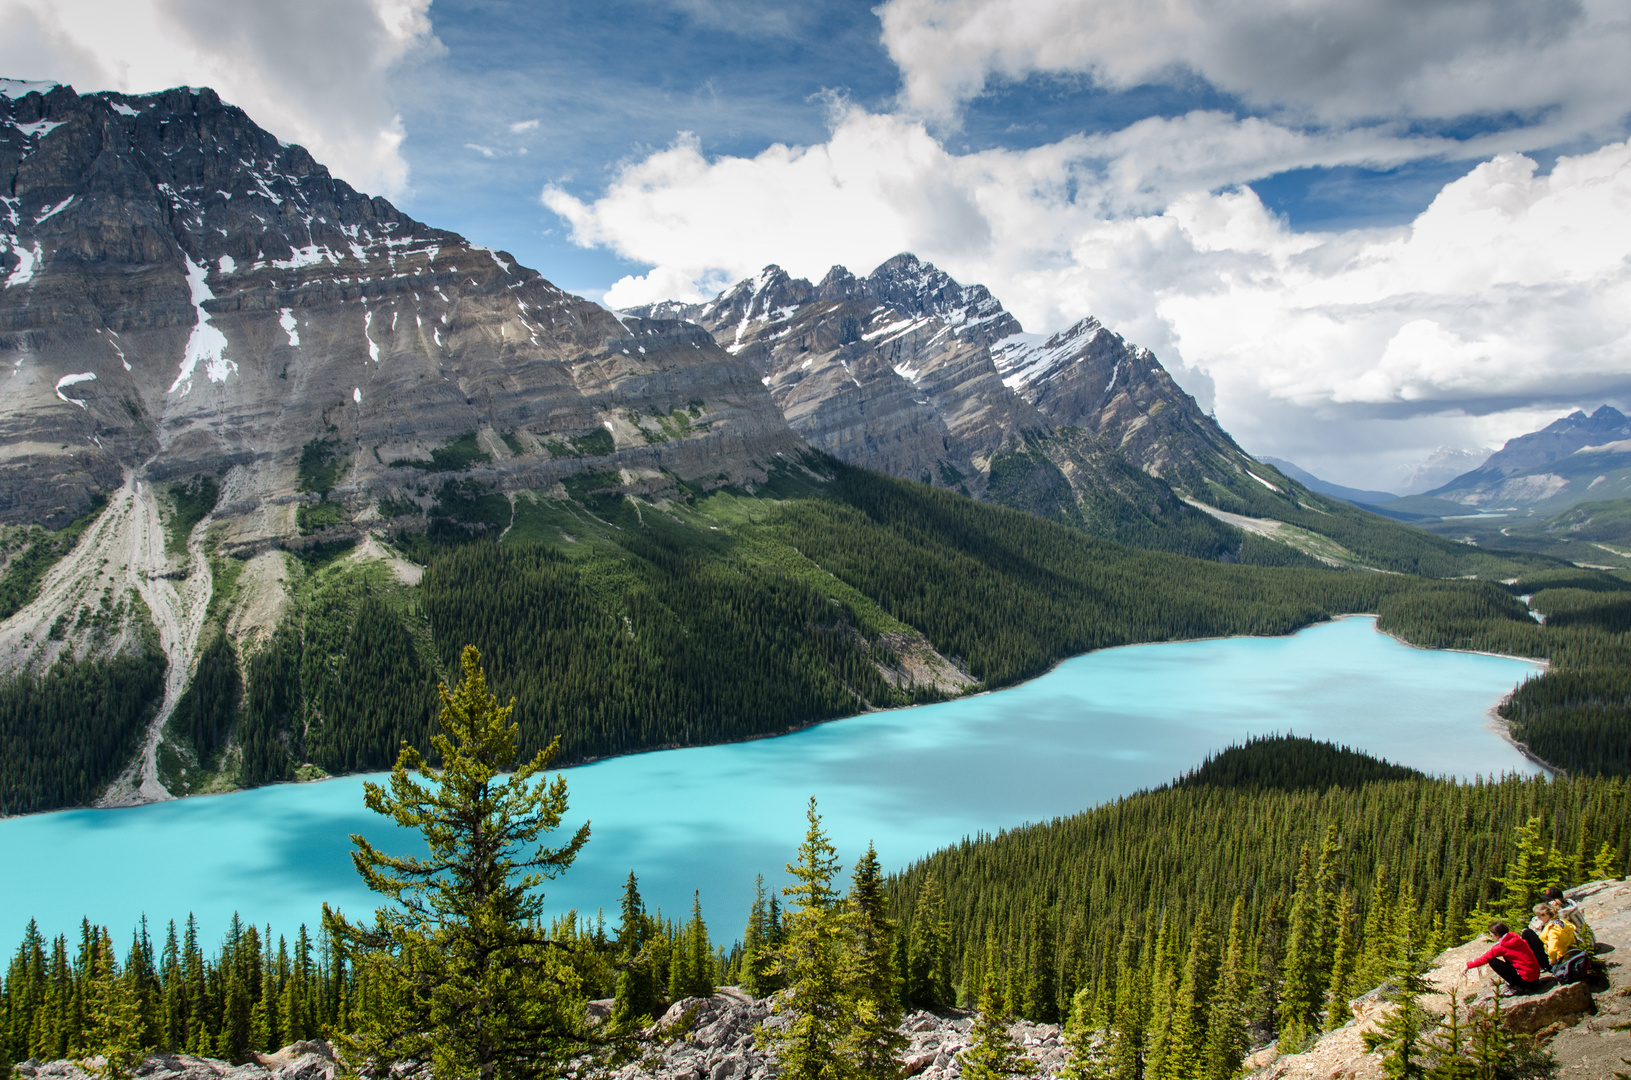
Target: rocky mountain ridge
(908,371)
(185,300)
(183,293)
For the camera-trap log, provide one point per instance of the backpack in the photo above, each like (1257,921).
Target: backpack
(1573,967)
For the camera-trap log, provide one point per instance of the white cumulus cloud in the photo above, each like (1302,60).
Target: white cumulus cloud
(1512,289)
(1558,64)
(310,73)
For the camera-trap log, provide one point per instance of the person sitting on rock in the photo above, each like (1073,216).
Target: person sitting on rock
(1511,958)
(1570,912)
(1531,934)
(1557,934)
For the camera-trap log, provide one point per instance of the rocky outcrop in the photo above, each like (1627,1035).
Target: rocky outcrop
(313,1060)
(180,293)
(1583,1022)
(710,1038)
(719,1043)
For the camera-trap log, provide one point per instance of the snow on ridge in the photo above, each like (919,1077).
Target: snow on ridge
(206,343)
(124,110)
(70,380)
(890,329)
(1024,359)
(20,88)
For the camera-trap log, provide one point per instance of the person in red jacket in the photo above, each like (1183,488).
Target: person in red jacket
(1511,958)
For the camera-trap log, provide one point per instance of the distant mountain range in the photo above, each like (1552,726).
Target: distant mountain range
(1357,496)
(1569,461)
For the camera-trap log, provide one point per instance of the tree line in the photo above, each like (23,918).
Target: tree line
(1260,906)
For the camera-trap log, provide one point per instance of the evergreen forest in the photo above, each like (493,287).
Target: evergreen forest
(622,624)
(1244,902)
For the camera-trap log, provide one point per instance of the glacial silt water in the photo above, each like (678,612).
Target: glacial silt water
(911,780)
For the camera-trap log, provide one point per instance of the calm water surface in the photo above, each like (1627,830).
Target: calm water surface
(911,780)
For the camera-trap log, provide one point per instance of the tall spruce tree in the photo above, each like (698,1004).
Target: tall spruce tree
(1186,1048)
(992,1053)
(115,1020)
(759,943)
(699,953)
(1301,988)
(928,950)
(1227,1037)
(1126,1051)
(872,984)
(635,995)
(460,971)
(1085,1045)
(811,960)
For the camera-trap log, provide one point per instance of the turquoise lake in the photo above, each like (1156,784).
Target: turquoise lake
(911,780)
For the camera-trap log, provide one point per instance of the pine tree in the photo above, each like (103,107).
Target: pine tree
(1126,1051)
(679,964)
(699,960)
(1085,1051)
(1163,975)
(635,997)
(811,960)
(873,987)
(928,950)
(1342,964)
(1604,867)
(115,1018)
(992,1053)
(1226,1036)
(1447,1049)
(1186,1050)
(1400,1033)
(1301,988)
(756,944)
(459,970)
(1534,866)
(1040,1002)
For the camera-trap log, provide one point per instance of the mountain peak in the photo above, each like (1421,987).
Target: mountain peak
(1557,440)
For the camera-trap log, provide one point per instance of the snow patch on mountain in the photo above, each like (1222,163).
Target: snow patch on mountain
(206,343)
(70,380)
(287,321)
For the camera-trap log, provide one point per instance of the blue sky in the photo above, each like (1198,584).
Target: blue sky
(1360,230)
(608,81)
(614,81)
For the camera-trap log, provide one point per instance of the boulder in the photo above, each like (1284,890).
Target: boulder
(1559,1005)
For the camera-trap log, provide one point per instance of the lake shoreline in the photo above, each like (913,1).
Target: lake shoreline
(1090,732)
(1501,730)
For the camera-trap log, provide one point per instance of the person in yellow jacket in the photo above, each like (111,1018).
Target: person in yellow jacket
(1557,934)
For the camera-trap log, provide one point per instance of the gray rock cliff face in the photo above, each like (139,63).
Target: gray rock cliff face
(907,371)
(892,371)
(1086,376)
(181,293)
